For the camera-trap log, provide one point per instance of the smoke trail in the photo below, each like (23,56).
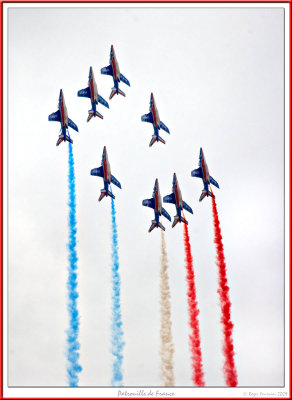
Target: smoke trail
(167,348)
(228,350)
(195,340)
(117,329)
(73,367)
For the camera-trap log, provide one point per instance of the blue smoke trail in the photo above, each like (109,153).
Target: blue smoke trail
(73,367)
(117,328)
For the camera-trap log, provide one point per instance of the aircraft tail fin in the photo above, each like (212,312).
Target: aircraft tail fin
(155,225)
(152,141)
(203,195)
(177,219)
(156,139)
(115,91)
(103,193)
(206,193)
(97,114)
(60,140)
(111,195)
(161,140)
(212,195)
(122,93)
(92,113)
(184,220)
(65,138)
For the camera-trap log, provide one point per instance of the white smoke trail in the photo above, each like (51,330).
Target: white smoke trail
(166,346)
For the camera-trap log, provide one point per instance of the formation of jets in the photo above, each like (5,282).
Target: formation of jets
(104,171)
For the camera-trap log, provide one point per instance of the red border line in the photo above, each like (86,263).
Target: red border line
(154,1)
(1,152)
(1,214)
(290,164)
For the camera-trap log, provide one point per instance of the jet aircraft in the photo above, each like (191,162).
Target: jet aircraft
(176,198)
(114,70)
(203,172)
(92,92)
(105,172)
(61,115)
(156,204)
(153,118)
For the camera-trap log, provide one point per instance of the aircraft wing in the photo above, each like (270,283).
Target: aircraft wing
(115,182)
(55,116)
(107,70)
(165,214)
(84,92)
(164,127)
(102,101)
(197,173)
(169,199)
(212,180)
(125,80)
(149,203)
(72,125)
(147,118)
(187,207)
(97,172)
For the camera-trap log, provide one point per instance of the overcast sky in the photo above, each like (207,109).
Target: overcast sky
(217,78)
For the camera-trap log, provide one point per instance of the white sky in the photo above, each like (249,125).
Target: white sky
(217,77)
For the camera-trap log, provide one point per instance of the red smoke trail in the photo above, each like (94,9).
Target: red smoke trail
(223,291)
(195,340)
